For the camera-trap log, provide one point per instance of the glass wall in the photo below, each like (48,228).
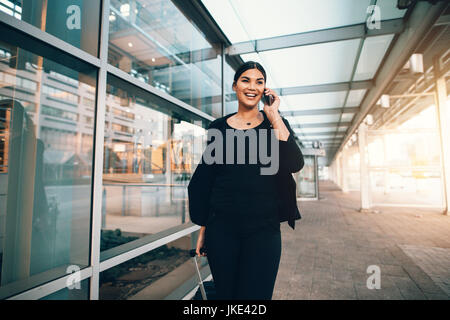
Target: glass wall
(404,163)
(45,168)
(154,42)
(307,178)
(150,276)
(74,21)
(150,151)
(79,291)
(151,146)
(231,104)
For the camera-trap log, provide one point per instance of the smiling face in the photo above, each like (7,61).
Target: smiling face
(249,88)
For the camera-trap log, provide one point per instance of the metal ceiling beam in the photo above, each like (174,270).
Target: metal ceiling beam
(199,15)
(315,37)
(443,20)
(325,134)
(420,23)
(329,87)
(323,140)
(316,112)
(321,125)
(328,133)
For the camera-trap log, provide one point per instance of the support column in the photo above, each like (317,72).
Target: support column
(441,111)
(364,170)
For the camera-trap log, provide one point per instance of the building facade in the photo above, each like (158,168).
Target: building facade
(104,106)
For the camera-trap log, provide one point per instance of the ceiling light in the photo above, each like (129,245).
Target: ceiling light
(153,59)
(125,10)
(130,44)
(369,119)
(385,101)
(416,63)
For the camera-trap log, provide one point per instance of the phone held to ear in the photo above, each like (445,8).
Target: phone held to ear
(268,99)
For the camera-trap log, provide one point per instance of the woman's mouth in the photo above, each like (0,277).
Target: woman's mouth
(250,95)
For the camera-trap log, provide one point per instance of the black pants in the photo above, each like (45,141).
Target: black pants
(244,264)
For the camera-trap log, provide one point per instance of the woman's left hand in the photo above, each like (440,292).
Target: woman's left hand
(272,111)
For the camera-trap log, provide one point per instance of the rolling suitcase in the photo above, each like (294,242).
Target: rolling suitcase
(206,289)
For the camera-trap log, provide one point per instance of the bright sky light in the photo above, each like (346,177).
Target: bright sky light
(309,65)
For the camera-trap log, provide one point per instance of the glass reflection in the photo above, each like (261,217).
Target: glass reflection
(78,291)
(45,169)
(147,277)
(155,43)
(149,157)
(306,178)
(405,168)
(404,162)
(74,21)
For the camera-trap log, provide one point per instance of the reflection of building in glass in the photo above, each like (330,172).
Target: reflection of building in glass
(45,172)
(62,121)
(156,76)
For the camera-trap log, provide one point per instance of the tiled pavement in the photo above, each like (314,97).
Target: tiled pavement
(434,261)
(328,253)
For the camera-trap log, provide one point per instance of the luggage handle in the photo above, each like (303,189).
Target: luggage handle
(193,254)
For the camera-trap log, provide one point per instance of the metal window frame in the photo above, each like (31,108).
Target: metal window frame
(316,37)
(97,174)
(160,241)
(51,287)
(48,39)
(92,272)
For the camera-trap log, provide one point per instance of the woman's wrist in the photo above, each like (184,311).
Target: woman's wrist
(276,120)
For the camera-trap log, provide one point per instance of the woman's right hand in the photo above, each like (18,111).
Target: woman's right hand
(201,241)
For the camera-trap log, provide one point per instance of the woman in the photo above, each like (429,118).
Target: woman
(239,208)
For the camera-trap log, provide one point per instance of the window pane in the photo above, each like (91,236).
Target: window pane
(306,179)
(286,17)
(154,42)
(324,118)
(149,154)
(355,97)
(347,117)
(313,64)
(231,104)
(323,100)
(322,137)
(76,292)
(74,21)
(153,275)
(371,56)
(45,168)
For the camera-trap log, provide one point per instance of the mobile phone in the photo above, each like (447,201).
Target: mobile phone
(267,99)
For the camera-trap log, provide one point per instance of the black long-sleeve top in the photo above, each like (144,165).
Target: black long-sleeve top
(240,192)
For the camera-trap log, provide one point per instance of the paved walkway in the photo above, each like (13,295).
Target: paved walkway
(328,253)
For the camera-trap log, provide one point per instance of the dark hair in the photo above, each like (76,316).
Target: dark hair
(246,66)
